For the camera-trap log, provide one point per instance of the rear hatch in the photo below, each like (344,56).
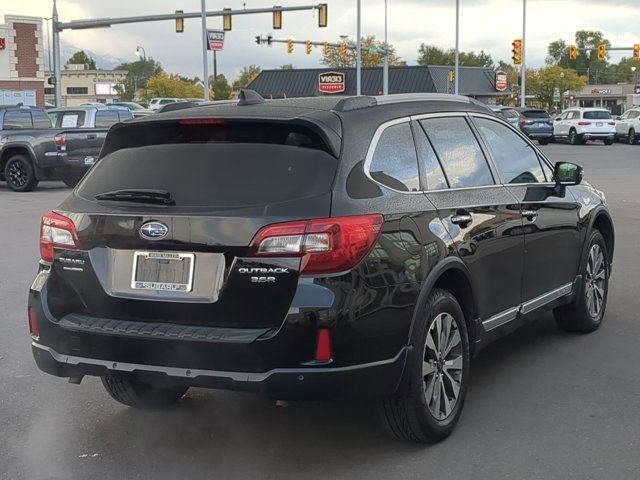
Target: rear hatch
(598,121)
(536,121)
(164,226)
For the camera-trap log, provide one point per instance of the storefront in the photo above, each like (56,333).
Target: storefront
(21,67)
(615,98)
(80,85)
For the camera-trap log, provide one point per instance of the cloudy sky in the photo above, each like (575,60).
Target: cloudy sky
(490,25)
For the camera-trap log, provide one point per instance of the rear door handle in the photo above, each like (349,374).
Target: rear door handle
(461,219)
(530,215)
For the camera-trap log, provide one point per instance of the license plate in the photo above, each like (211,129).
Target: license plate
(163,271)
(599,124)
(89,160)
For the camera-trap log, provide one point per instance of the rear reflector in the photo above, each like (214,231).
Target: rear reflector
(323,347)
(33,325)
(326,245)
(56,231)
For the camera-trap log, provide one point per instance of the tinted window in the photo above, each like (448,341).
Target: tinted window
(458,151)
(535,114)
(77,90)
(40,119)
(516,160)
(574,115)
(597,115)
(106,118)
(394,161)
(634,114)
(124,115)
(435,179)
(17,119)
(72,119)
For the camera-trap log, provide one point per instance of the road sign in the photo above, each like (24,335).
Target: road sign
(501,81)
(216,40)
(331,82)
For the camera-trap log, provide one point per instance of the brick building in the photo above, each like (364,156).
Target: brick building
(21,61)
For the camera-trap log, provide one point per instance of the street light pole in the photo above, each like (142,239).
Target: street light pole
(143,54)
(457,67)
(385,74)
(358,51)
(561,91)
(205,64)
(56,55)
(524,48)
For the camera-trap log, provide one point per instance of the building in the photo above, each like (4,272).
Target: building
(616,98)
(475,82)
(21,61)
(81,85)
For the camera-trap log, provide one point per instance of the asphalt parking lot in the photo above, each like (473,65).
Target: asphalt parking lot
(542,404)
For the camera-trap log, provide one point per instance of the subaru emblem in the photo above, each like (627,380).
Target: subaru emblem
(154,231)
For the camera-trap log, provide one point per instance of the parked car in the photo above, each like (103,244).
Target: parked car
(579,125)
(157,103)
(60,144)
(536,124)
(510,114)
(628,126)
(136,109)
(358,246)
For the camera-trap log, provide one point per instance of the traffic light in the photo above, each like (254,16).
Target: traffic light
(602,51)
(307,45)
(289,46)
(516,52)
(342,49)
(323,15)
(226,20)
(452,76)
(325,48)
(636,51)
(573,52)
(277,19)
(179,22)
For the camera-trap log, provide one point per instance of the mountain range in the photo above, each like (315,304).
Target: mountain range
(106,62)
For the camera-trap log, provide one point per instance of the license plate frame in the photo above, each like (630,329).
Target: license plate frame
(599,124)
(158,286)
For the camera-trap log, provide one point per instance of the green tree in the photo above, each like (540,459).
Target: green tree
(136,81)
(287,66)
(222,87)
(558,54)
(246,76)
(543,82)
(164,85)
(81,58)
(433,55)
(371,55)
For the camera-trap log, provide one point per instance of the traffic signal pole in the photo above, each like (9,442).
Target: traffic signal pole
(524,49)
(457,67)
(358,52)
(205,50)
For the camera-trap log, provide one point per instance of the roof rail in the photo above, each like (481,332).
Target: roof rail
(355,103)
(249,97)
(421,97)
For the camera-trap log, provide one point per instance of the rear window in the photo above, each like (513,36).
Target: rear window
(597,115)
(535,114)
(106,118)
(17,119)
(215,175)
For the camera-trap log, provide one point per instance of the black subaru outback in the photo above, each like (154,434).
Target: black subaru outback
(315,248)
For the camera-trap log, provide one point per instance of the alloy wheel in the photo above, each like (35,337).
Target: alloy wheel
(17,174)
(595,282)
(632,137)
(442,366)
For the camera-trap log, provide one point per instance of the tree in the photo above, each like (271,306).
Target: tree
(558,54)
(544,82)
(81,58)
(370,57)
(222,87)
(138,74)
(287,66)
(164,85)
(247,75)
(433,55)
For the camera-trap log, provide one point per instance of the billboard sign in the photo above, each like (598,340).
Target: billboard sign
(215,40)
(501,81)
(331,82)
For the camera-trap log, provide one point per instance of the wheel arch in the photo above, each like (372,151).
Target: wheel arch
(12,149)
(601,221)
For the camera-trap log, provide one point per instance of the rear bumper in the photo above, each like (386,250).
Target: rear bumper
(539,134)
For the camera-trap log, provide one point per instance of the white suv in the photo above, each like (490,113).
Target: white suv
(578,125)
(628,126)
(158,103)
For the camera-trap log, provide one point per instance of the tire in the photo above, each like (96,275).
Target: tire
(543,141)
(552,140)
(631,139)
(574,138)
(582,315)
(134,393)
(608,141)
(19,174)
(414,414)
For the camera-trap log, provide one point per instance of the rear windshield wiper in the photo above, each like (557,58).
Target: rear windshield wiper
(160,197)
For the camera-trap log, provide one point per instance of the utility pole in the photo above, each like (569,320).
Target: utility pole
(524,49)
(457,67)
(358,52)
(205,41)
(385,71)
(215,75)
(56,56)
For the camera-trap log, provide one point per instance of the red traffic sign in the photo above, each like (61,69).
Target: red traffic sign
(215,40)
(501,81)
(331,82)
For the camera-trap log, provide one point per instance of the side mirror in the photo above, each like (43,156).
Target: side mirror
(567,173)
(618,117)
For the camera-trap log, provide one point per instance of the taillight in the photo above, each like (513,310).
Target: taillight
(326,245)
(33,325)
(584,123)
(60,139)
(56,231)
(612,123)
(522,123)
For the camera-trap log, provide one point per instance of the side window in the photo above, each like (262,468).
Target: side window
(40,119)
(106,118)
(17,119)
(459,152)
(516,160)
(394,162)
(72,119)
(434,176)
(124,115)
(575,116)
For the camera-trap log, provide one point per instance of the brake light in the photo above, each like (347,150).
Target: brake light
(584,123)
(326,245)
(33,324)
(323,346)
(612,123)
(56,231)
(60,139)
(202,121)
